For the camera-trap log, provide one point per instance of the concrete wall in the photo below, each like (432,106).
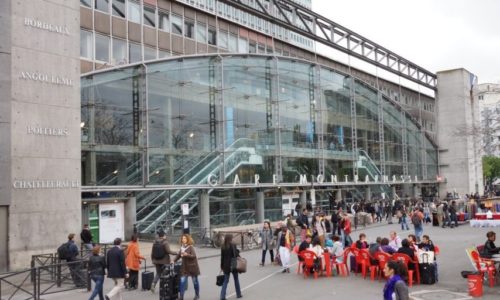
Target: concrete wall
(44,125)
(458,120)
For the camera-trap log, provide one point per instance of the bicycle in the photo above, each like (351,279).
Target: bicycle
(252,239)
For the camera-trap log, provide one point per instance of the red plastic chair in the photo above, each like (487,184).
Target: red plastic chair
(355,252)
(341,267)
(436,250)
(382,259)
(484,265)
(366,263)
(407,261)
(328,264)
(309,258)
(301,263)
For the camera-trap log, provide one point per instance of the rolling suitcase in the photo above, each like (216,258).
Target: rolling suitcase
(147,278)
(427,270)
(170,282)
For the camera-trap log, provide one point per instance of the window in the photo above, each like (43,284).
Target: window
(150,16)
(261,49)
(102,5)
(176,24)
(212,36)
(242,45)
(201,33)
(134,11)
(86,44)
(222,39)
(134,53)
(118,8)
(164,53)
(149,53)
(163,20)
(189,29)
(87,3)
(233,43)
(252,48)
(102,48)
(119,51)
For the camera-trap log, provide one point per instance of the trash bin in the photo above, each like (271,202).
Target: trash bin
(475,282)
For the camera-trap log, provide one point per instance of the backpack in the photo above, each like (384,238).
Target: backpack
(63,251)
(158,250)
(415,219)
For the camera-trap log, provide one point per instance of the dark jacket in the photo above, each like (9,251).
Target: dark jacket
(115,263)
(166,259)
(189,265)
(73,251)
(97,265)
(490,249)
(226,255)
(303,221)
(86,236)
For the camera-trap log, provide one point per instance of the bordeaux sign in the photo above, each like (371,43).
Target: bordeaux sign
(46,26)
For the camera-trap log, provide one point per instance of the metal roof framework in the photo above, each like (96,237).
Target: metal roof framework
(303,21)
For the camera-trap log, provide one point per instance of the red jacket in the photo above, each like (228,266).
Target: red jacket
(347,226)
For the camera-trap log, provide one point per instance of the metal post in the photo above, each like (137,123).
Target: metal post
(58,274)
(354,133)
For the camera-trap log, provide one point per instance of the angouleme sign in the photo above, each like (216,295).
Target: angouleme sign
(213,180)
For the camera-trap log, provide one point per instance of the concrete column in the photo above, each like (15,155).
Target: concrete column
(393,189)
(303,199)
(415,190)
(230,209)
(368,194)
(204,210)
(313,197)
(259,208)
(338,195)
(130,217)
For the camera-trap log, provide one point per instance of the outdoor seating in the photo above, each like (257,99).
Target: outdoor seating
(309,258)
(407,260)
(382,259)
(483,265)
(366,264)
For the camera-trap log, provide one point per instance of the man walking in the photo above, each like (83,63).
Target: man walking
(160,256)
(69,252)
(417,219)
(115,262)
(86,237)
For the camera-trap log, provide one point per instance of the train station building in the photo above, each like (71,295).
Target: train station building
(139,115)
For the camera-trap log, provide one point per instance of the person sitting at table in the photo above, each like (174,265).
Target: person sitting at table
(374,247)
(413,242)
(384,246)
(304,245)
(318,250)
(489,247)
(394,241)
(337,250)
(426,244)
(406,249)
(362,243)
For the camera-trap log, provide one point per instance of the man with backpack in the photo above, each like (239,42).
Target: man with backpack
(417,220)
(160,255)
(69,252)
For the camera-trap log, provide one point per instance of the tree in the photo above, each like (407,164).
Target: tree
(491,169)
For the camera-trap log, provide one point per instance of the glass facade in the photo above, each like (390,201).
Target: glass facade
(195,120)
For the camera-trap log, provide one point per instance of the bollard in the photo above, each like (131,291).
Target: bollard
(58,274)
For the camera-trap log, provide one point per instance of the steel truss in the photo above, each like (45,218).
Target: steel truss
(305,22)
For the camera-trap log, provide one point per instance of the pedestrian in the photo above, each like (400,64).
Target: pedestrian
(266,235)
(86,237)
(189,267)
(133,262)
(70,254)
(346,231)
(417,219)
(97,270)
(303,222)
(453,214)
(319,229)
(117,271)
(395,287)
(160,256)
(229,252)
(285,244)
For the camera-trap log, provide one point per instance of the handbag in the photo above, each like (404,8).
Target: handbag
(238,263)
(219,280)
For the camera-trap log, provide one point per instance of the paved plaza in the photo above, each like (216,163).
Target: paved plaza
(268,283)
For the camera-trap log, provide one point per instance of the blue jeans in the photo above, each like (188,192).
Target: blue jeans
(419,231)
(404,223)
(99,280)
(226,282)
(183,285)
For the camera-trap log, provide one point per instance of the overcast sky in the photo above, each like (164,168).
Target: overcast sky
(434,34)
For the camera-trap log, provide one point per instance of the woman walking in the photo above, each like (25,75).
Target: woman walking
(189,266)
(228,253)
(266,235)
(133,262)
(395,287)
(97,270)
(285,243)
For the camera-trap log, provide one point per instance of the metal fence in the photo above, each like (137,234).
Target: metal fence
(45,278)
